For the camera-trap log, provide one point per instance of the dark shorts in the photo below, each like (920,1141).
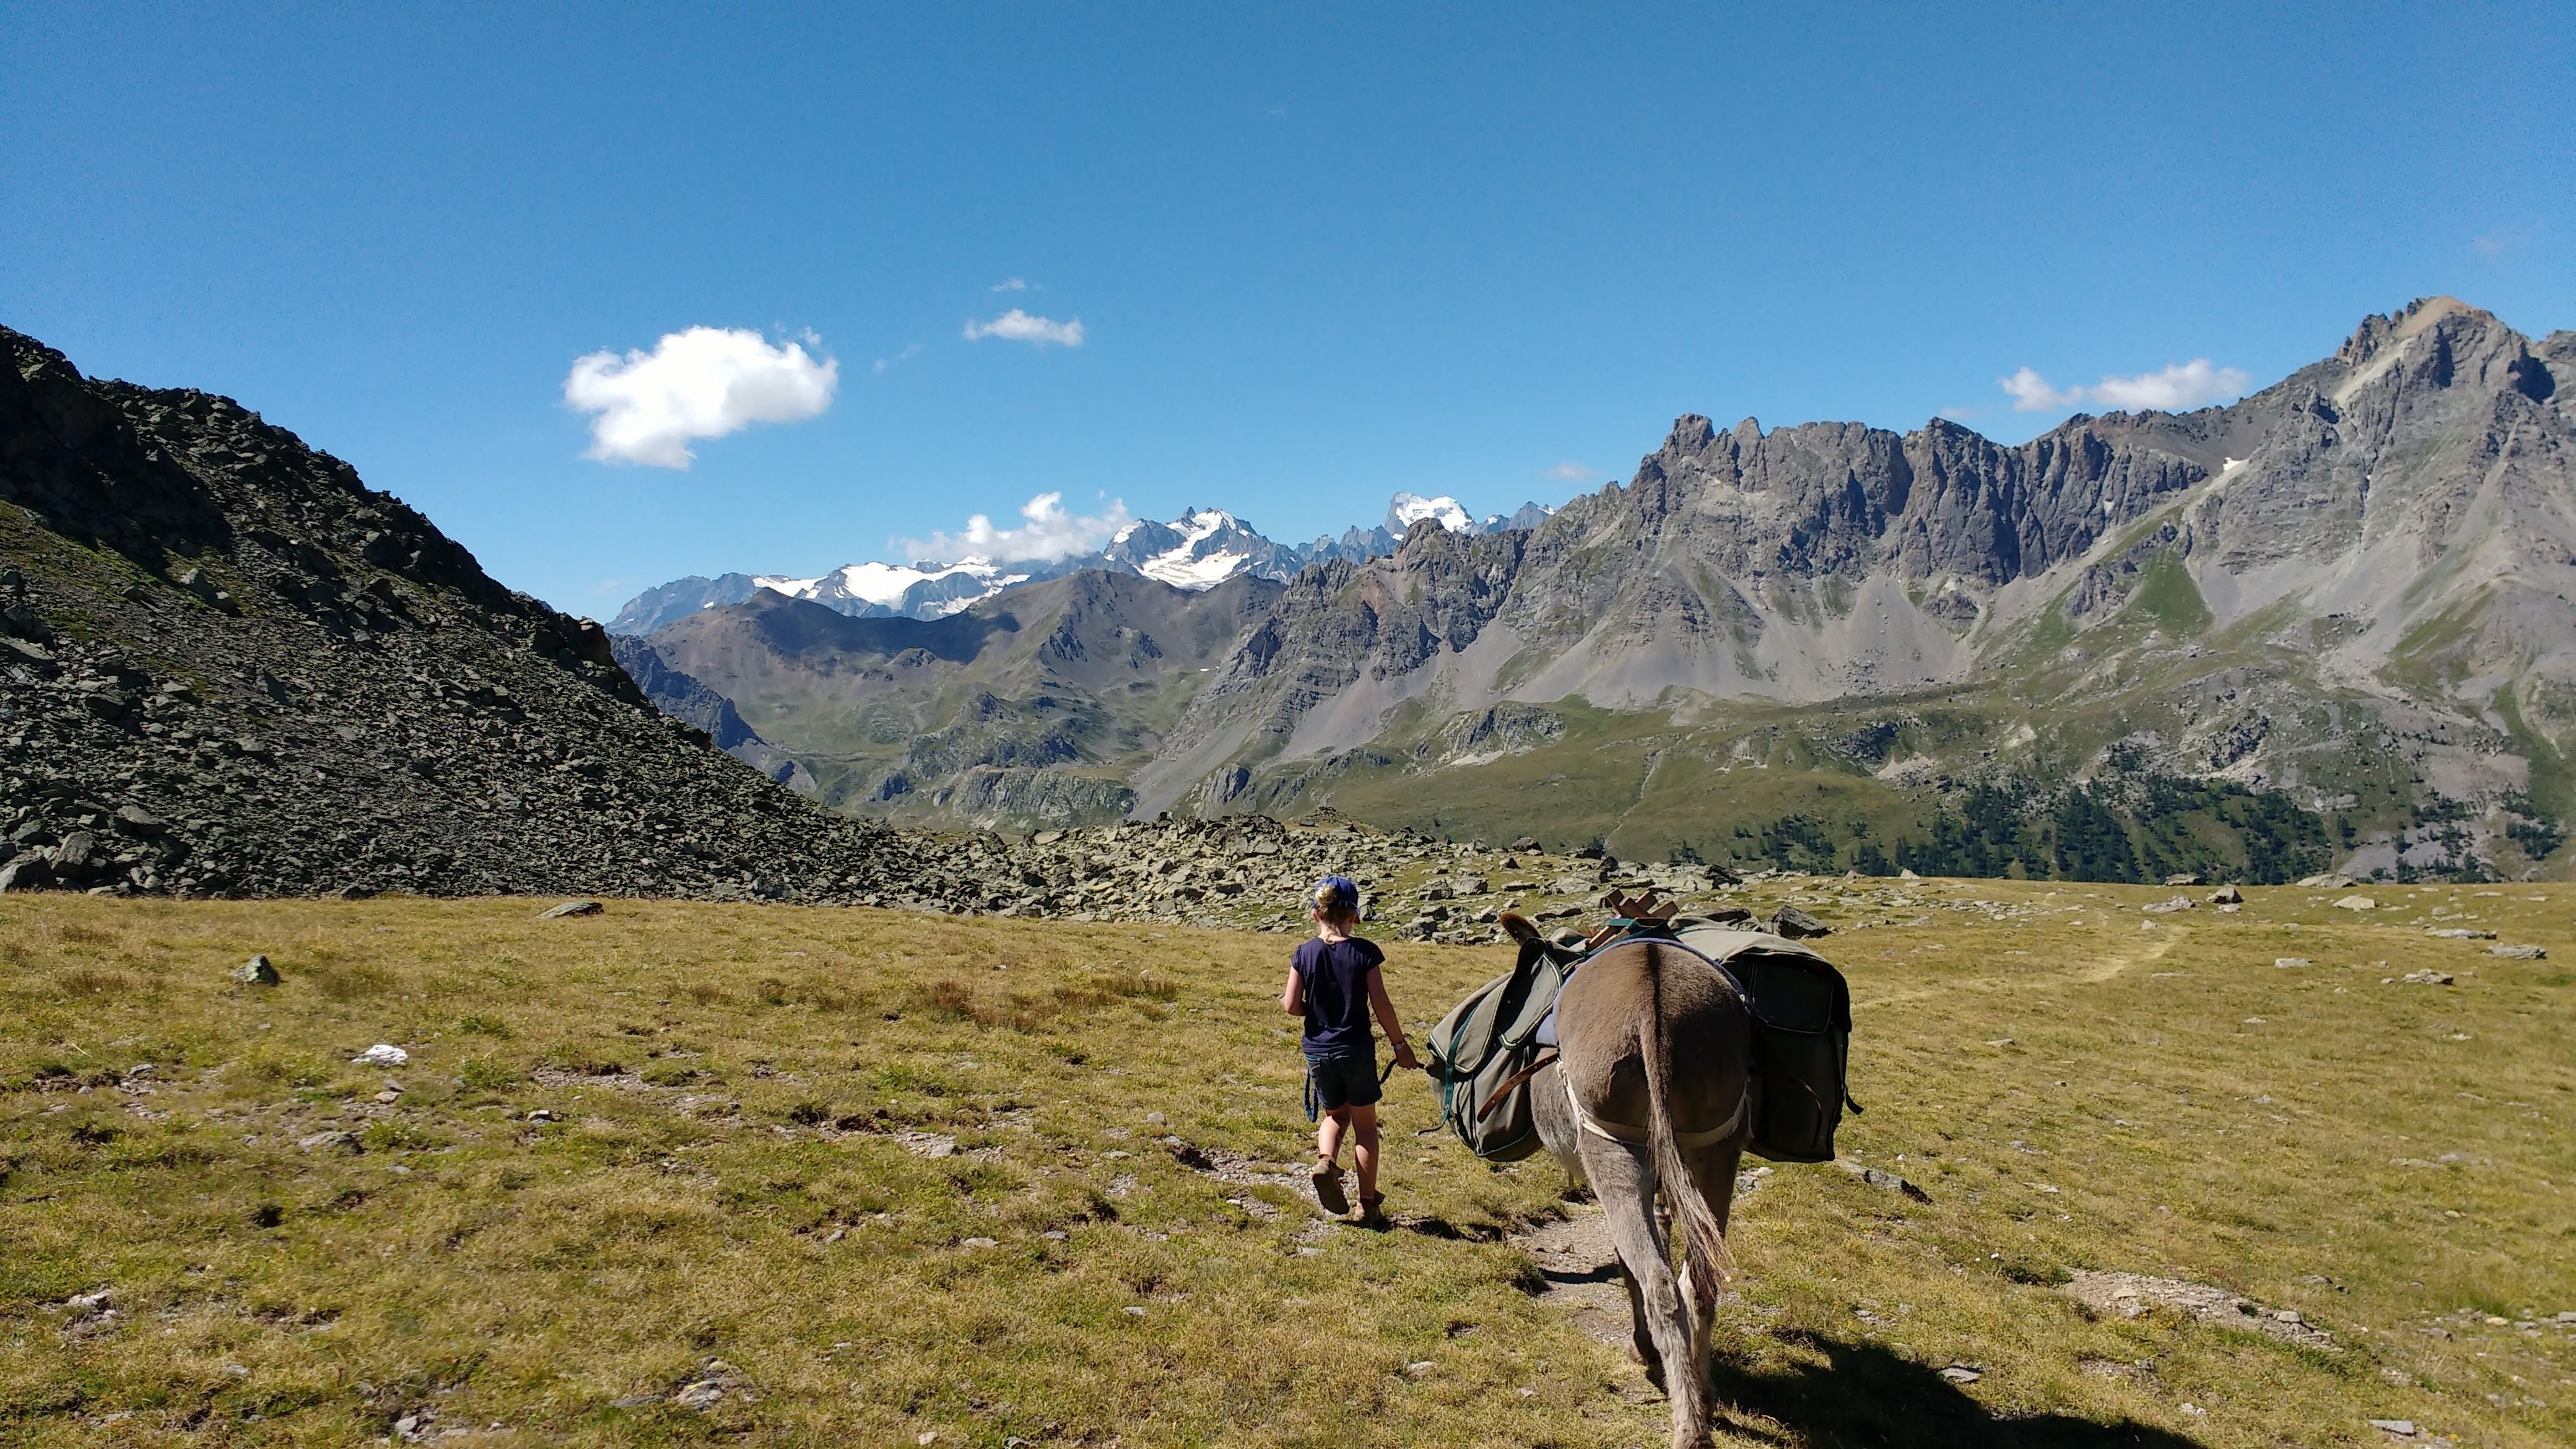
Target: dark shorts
(1344,1081)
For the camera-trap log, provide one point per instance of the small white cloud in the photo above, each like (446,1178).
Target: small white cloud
(1018,326)
(701,383)
(1011,284)
(2178,388)
(1049,534)
(1570,472)
(880,366)
(2032,394)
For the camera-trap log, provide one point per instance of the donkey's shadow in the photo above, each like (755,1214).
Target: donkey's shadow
(1863,1394)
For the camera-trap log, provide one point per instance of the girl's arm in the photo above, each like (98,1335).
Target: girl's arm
(1384,1006)
(1292,997)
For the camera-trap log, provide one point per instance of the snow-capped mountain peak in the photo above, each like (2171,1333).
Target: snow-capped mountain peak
(1408,509)
(1198,550)
(924,589)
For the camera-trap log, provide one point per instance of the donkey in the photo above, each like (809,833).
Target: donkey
(1649,1089)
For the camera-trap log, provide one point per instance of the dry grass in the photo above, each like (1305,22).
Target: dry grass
(727,1175)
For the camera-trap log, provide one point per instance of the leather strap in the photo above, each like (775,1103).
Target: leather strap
(1638,1136)
(1503,1093)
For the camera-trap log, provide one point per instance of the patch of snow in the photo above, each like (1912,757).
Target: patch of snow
(880,583)
(1181,571)
(1408,509)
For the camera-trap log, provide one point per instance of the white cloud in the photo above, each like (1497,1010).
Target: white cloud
(2178,388)
(1018,326)
(881,364)
(1570,472)
(2032,394)
(702,383)
(1049,534)
(1011,284)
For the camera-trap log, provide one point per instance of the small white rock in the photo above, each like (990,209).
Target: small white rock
(382,1054)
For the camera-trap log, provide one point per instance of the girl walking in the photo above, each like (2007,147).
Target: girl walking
(1335,984)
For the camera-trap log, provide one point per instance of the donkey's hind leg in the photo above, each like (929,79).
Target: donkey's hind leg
(1713,1168)
(1624,1178)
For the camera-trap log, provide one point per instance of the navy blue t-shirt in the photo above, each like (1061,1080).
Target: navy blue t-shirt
(1337,1003)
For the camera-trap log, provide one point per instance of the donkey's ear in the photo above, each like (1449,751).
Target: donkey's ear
(1518,927)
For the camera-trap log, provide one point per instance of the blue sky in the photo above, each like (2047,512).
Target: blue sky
(1317,255)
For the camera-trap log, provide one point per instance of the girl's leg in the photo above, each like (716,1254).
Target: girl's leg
(1327,1176)
(1328,1133)
(1364,1148)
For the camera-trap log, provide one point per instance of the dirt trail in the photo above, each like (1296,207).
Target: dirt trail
(2093,973)
(1581,1265)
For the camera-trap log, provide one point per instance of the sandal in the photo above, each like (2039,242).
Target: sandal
(1327,1178)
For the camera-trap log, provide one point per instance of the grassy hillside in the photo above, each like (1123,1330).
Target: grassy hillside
(926,1180)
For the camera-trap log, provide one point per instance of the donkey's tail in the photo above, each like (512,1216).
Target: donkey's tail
(1703,1242)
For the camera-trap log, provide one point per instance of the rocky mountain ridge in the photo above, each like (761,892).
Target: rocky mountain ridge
(2345,597)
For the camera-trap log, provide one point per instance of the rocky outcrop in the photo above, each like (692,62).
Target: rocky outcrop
(231,668)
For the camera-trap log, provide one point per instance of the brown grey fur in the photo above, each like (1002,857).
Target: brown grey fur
(1652,1037)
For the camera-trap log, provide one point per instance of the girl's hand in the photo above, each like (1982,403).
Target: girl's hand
(1405,1058)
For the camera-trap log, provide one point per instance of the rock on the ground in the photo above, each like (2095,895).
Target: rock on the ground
(2132,1294)
(1797,925)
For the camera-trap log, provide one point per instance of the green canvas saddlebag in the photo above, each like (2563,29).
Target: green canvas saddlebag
(1479,1051)
(1801,1036)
